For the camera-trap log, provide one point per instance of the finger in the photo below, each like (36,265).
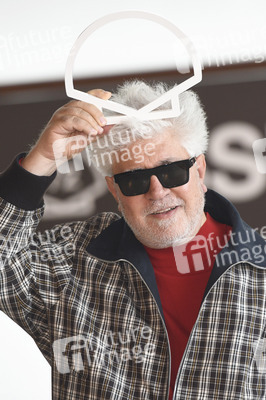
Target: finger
(90,109)
(102,94)
(91,117)
(106,129)
(72,123)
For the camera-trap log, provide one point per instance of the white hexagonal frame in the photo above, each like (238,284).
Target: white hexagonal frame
(147,112)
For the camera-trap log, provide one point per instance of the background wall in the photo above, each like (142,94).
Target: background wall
(234,98)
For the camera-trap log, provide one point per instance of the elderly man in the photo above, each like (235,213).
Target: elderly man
(167,301)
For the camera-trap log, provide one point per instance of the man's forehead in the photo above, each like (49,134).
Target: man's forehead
(149,153)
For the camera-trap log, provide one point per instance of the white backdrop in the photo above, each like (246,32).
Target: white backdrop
(35,38)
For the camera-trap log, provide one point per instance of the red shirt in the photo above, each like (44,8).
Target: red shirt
(182,273)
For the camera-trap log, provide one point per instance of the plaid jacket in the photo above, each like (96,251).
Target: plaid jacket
(86,293)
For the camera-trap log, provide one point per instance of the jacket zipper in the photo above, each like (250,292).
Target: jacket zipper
(165,330)
(190,336)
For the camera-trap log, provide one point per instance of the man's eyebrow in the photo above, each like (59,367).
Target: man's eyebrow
(168,160)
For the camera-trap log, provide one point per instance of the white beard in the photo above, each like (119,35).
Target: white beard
(159,235)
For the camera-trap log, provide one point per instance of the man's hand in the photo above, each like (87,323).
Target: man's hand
(76,118)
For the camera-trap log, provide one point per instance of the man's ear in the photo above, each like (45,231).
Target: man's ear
(201,169)
(111,187)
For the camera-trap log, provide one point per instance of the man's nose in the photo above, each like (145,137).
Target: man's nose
(156,190)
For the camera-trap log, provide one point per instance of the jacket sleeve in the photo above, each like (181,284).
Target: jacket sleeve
(34,267)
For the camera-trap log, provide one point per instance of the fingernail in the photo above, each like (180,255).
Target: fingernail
(103,120)
(100,130)
(93,131)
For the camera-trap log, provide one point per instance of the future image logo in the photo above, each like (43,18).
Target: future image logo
(73,353)
(193,256)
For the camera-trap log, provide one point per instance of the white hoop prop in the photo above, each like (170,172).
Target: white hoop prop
(147,112)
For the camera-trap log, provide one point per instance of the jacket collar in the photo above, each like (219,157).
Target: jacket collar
(245,244)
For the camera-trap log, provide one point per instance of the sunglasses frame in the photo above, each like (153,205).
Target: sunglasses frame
(149,172)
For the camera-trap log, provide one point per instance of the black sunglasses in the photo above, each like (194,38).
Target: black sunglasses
(133,183)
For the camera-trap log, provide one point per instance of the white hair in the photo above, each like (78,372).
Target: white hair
(190,126)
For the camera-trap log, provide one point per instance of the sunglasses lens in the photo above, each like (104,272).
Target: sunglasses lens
(174,175)
(133,185)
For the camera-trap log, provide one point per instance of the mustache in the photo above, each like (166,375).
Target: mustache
(163,205)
